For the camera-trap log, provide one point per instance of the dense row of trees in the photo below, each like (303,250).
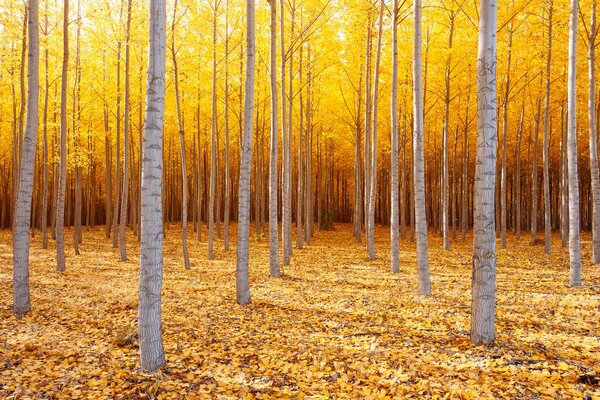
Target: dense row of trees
(92,169)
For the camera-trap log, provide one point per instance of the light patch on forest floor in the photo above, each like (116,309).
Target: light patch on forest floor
(335,326)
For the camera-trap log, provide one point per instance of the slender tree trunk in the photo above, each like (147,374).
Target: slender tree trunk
(373,193)
(213,140)
(284,136)
(115,222)
(44,225)
(465,165)
(242,281)
(273,206)
(546,148)
(226,116)
(534,176)
(151,261)
(445,180)
(21,298)
(518,173)
(367,141)
(62,180)
(574,246)
(184,189)
(394,218)
(358,200)
(484,237)
(299,186)
(595,174)
(126,134)
(503,183)
(418,161)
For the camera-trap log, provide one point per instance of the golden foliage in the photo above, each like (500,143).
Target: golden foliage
(336,326)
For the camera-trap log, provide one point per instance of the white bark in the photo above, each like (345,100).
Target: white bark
(273,206)
(242,281)
(574,245)
(484,237)
(151,250)
(21,298)
(213,143)
(418,160)
(595,174)
(126,133)
(62,179)
(394,217)
(545,149)
(373,186)
(184,188)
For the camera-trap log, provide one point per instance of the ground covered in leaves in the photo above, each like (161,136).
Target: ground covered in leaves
(335,326)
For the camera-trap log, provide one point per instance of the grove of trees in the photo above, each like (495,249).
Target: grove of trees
(138,114)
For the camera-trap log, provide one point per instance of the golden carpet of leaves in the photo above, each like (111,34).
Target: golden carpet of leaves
(335,326)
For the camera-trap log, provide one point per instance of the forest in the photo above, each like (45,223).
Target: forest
(322,199)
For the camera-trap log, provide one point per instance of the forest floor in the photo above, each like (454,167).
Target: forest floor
(335,326)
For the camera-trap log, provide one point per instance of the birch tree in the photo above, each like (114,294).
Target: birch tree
(574,245)
(373,186)
(62,179)
(419,157)
(484,236)
(21,300)
(273,207)
(394,217)
(546,146)
(242,280)
(184,189)
(594,173)
(152,354)
(126,133)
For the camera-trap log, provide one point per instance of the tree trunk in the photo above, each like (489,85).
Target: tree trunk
(534,176)
(445,133)
(126,134)
(21,298)
(213,140)
(44,225)
(273,206)
(62,180)
(151,261)
(226,116)
(394,218)
(373,193)
(184,189)
(574,246)
(418,158)
(518,173)
(484,237)
(545,149)
(242,280)
(503,194)
(595,174)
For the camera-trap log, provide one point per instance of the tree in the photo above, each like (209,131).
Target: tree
(273,209)
(126,128)
(184,189)
(484,236)
(594,172)
(418,161)
(213,140)
(545,149)
(394,217)
(373,177)
(574,245)
(151,251)
(21,298)
(62,180)
(242,281)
